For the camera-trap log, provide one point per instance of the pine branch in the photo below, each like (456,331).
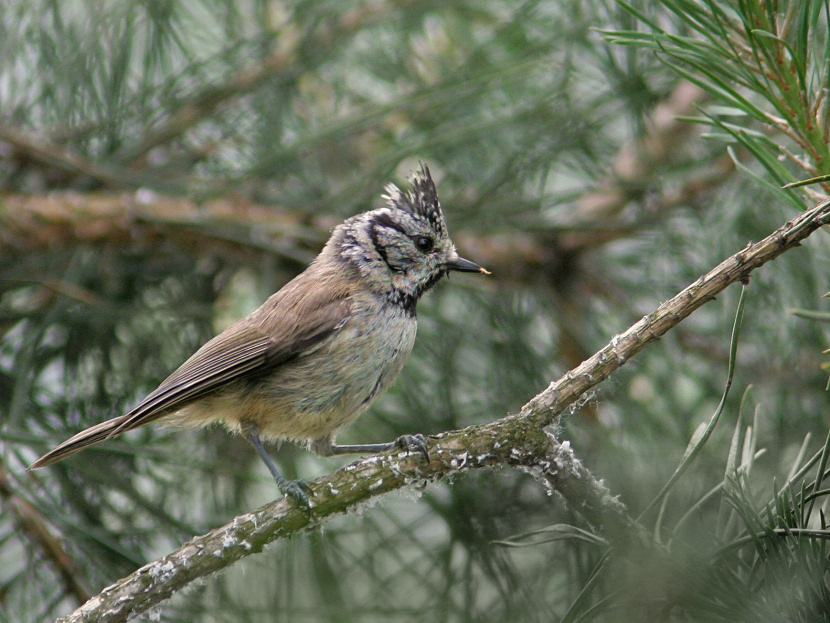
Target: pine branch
(517,441)
(31,224)
(545,408)
(47,153)
(637,160)
(239,228)
(320,40)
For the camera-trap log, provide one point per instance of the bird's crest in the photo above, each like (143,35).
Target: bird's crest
(421,202)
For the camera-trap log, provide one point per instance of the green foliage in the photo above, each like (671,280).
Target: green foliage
(537,129)
(758,60)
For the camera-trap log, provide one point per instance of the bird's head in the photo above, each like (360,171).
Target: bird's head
(403,248)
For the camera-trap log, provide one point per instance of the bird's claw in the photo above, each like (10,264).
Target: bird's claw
(298,490)
(413,443)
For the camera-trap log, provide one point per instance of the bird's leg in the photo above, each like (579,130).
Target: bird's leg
(410,443)
(296,489)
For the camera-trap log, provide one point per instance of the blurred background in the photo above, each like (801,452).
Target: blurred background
(165,166)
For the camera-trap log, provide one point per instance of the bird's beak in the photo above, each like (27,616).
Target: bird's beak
(466,266)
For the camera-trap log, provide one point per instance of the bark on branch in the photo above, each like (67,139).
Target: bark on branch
(518,441)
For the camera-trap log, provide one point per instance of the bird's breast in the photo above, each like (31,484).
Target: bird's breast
(327,388)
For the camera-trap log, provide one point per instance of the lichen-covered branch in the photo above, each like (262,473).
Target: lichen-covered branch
(491,445)
(544,409)
(518,441)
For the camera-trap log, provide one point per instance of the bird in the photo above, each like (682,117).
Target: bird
(318,352)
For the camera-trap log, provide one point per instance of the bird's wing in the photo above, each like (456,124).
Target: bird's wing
(227,356)
(295,320)
(245,348)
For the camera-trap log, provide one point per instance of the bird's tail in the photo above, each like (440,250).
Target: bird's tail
(85,438)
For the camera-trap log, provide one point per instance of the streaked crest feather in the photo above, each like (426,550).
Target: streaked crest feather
(421,202)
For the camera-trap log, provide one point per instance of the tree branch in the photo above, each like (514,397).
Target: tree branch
(638,159)
(29,224)
(545,408)
(238,228)
(517,440)
(41,150)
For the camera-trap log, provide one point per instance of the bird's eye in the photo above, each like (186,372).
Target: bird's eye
(424,244)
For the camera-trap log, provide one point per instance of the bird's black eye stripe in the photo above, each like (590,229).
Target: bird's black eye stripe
(386,221)
(424,243)
(381,250)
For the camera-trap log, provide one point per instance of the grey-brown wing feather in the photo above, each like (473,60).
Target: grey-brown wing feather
(223,359)
(229,356)
(243,349)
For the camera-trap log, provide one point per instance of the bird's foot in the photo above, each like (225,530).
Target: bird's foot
(298,490)
(413,443)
